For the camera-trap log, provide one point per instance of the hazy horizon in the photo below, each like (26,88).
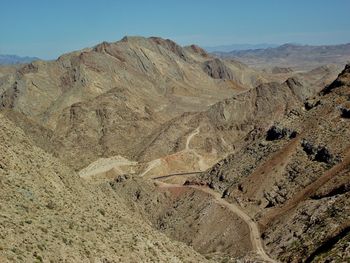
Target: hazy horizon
(48,29)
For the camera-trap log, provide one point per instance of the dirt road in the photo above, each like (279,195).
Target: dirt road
(151,165)
(105,164)
(201,162)
(253,227)
(189,138)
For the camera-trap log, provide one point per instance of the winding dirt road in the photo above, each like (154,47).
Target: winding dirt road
(151,165)
(201,162)
(189,138)
(255,237)
(253,227)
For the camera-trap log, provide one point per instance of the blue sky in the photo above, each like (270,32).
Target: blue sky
(47,28)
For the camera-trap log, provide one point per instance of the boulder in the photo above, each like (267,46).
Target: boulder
(345,113)
(310,104)
(323,155)
(277,133)
(318,153)
(226,193)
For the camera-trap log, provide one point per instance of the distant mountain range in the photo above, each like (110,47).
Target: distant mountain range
(292,55)
(235,47)
(14,59)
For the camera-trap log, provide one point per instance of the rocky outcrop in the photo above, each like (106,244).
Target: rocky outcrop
(345,112)
(151,99)
(171,46)
(217,69)
(277,133)
(28,68)
(198,50)
(312,103)
(318,153)
(257,107)
(342,80)
(300,90)
(137,84)
(279,70)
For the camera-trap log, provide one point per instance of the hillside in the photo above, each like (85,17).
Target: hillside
(295,179)
(49,214)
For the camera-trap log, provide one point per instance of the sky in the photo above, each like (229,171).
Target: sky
(47,29)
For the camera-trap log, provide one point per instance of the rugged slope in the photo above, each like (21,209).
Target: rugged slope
(226,125)
(49,214)
(190,216)
(197,140)
(295,179)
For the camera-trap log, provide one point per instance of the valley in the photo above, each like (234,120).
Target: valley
(142,150)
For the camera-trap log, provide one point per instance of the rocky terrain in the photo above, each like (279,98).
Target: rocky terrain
(49,214)
(295,178)
(87,139)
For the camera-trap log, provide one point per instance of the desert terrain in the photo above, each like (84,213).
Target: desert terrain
(142,150)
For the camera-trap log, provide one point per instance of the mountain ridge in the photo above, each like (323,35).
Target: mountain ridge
(142,80)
